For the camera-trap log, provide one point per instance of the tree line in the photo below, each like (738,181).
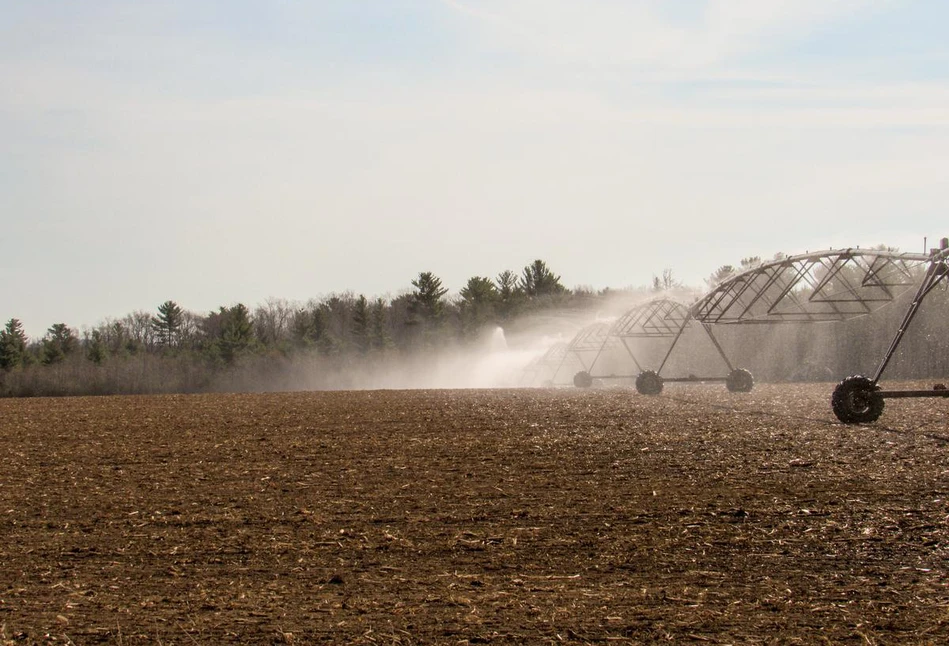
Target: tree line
(322,343)
(176,350)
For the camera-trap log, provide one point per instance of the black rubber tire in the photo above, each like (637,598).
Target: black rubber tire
(857,400)
(582,379)
(739,380)
(649,383)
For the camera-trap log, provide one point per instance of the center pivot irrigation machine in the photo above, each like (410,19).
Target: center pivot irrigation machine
(824,286)
(586,342)
(658,321)
(833,285)
(858,399)
(544,368)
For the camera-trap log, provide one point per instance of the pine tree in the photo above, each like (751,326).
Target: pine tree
(12,345)
(302,329)
(510,295)
(239,331)
(231,332)
(96,348)
(326,343)
(378,332)
(59,342)
(538,280)
(359,328)
(167,325)
(477,304)
(426,304)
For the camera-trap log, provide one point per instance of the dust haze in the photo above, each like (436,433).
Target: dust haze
(533,351)
(507,356)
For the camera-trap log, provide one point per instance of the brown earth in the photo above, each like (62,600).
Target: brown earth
(508,516)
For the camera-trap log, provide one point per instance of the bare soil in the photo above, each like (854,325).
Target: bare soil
(454,517)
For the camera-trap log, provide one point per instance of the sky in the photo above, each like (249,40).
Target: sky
(213,152)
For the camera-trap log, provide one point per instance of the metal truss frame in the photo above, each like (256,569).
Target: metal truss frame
(937,272)
(549,362)
(659,318)
(834,285)
(831,285)
(858,399)
(591,338)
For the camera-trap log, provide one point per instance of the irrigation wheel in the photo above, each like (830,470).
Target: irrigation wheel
(739,380)
(582,379)
(857,400)
(649,383)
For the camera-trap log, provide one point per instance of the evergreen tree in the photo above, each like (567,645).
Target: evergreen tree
(231,332)
(426,309)
(338,314)
(426,304)
(59,342)
(507,284)
(359,329)
(378,333)
(302,330)
(537,280)
(238,332)
(326,343)
(479,291)
(167,325)
(510,294)
(477,304)
(12,345)
(96,348)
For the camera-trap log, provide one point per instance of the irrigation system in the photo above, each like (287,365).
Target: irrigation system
(589,340)
(544,368)
(859,399)
(833,285)
(823,286)
(655,322)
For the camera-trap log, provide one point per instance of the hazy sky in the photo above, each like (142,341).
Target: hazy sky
(215,152)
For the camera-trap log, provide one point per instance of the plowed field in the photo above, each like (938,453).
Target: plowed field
(492,516)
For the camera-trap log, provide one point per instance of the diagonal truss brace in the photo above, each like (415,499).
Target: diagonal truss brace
(938,271)
(829,285)
(658,318)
